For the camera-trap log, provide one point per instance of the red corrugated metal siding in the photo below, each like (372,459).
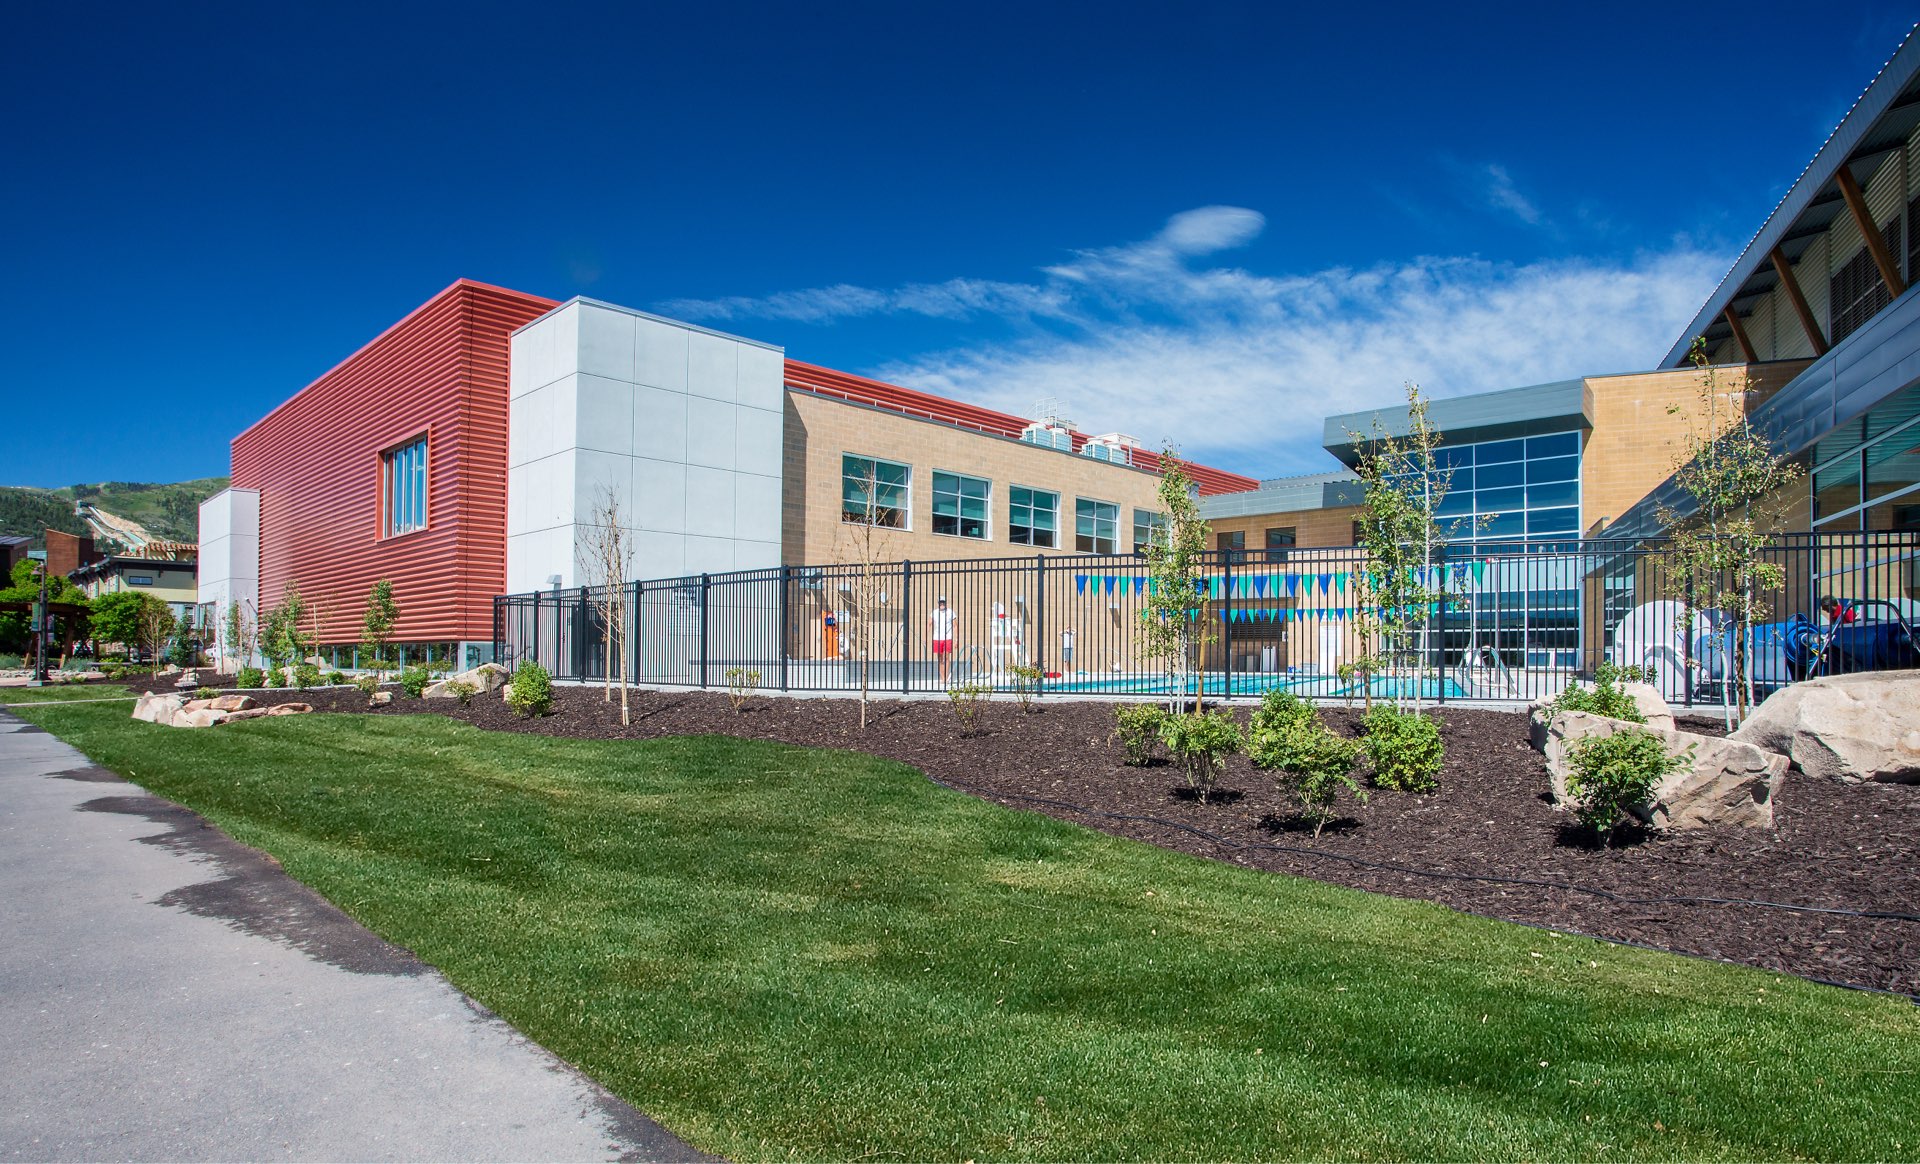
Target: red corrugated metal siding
(910,402)
(441,371)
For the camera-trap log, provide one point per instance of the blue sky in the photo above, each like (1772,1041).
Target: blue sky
(1206,223)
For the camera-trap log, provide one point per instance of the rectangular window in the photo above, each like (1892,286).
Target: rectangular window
(874,492)
(1280,538)
(1148,527)
(960,505)
(1232,543)
(1096,526)
(1033,517)
(404,484)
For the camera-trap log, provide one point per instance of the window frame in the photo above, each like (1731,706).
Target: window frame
(1113,538)
(1157,522)
(1013,525)
(415,493)
(904,509)
(960,518)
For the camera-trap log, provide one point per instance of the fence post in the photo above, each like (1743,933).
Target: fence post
(1040,621)
(786,621)
(1439,615)
(536,626)
(706,606)
(580,639)
(1226,625)
(906,613)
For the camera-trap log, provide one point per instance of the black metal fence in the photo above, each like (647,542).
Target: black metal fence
(1512,621)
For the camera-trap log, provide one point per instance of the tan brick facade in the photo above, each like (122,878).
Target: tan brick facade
(1640,423)
(1311,527)
(819,430)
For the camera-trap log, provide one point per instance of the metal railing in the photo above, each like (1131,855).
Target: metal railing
(1513,621)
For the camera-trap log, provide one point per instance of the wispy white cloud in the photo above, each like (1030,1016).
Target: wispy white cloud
(1239,368)
(1502,194)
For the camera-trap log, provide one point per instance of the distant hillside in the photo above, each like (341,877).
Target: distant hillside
(168,511)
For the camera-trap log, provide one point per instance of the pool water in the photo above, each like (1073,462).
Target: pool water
(1384,686)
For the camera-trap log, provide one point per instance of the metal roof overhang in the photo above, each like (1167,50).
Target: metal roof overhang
(1484,416)
(1881,120)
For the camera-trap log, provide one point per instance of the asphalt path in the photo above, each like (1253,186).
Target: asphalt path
(169,994)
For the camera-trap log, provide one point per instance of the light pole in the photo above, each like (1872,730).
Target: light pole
(40,632)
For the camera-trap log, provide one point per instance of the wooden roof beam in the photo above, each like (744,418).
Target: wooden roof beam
(1784,269)
(1869,230)
(1740,336)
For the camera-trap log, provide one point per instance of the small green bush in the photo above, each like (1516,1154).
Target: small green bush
(306,676)
(1605,696)
(250,677)
(204,693)
(530,691)
(11,662)
(415,681)
(966,700)
(1137,728)
(1310,762)
(1201,742)
(462,690)
(1026,685)
(1404,750)
(1609,776)
(275,678)
(336,678)
(368,685)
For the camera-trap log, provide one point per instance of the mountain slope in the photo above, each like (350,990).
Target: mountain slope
(169,511)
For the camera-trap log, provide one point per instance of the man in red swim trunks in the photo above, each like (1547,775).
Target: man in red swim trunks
(940,627)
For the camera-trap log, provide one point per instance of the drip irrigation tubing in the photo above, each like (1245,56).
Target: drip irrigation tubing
(971,789)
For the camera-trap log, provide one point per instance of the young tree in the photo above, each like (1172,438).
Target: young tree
(608,563)
(1405,545)
(1174,629)
(865,523)
(281,639)
(243,632)
(1737,483)
(376,624)
(156,626)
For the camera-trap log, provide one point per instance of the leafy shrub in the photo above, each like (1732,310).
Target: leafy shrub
(1608,776)
(1605,696)
(1404,749)
(204,693)
(966,700)
(336,678)
(742,682)
(462,690)
(11,662)
(306,675)
(1201,742)
(250,677)
(1311,763)
(369,685)
(1138,730)
(530,691)
(1026,685)
(415,681)
(275,678)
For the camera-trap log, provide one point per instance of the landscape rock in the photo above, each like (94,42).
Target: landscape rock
(249,713)
(1726,782)
(188,679)
(484,678)
(289,709)
(158,709)
(199,705)
(170,669)
(1851,728)
(199,717)
(84,675)
(380,699)
(318,662)
(1646,697)
(233,703)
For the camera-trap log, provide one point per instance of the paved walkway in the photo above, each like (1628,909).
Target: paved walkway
(167,994)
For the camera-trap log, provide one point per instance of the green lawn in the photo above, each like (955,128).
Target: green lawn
(63,693)
(790,953)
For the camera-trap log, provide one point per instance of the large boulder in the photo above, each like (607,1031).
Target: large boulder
(231,703)
(248,713)
(158,709)
(484,678)
(1852,728)
(199,717)
(380,699)
(290,709)
(1726,782)
(1646,699)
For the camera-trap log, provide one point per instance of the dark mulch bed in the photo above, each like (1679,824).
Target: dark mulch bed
(1490,829)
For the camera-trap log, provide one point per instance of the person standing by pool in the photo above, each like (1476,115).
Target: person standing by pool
(940,628)
(1066,651)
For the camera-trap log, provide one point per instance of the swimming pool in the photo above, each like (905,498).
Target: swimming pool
(1326,686)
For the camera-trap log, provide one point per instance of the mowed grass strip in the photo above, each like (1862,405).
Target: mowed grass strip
(790,953)
(64,693)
